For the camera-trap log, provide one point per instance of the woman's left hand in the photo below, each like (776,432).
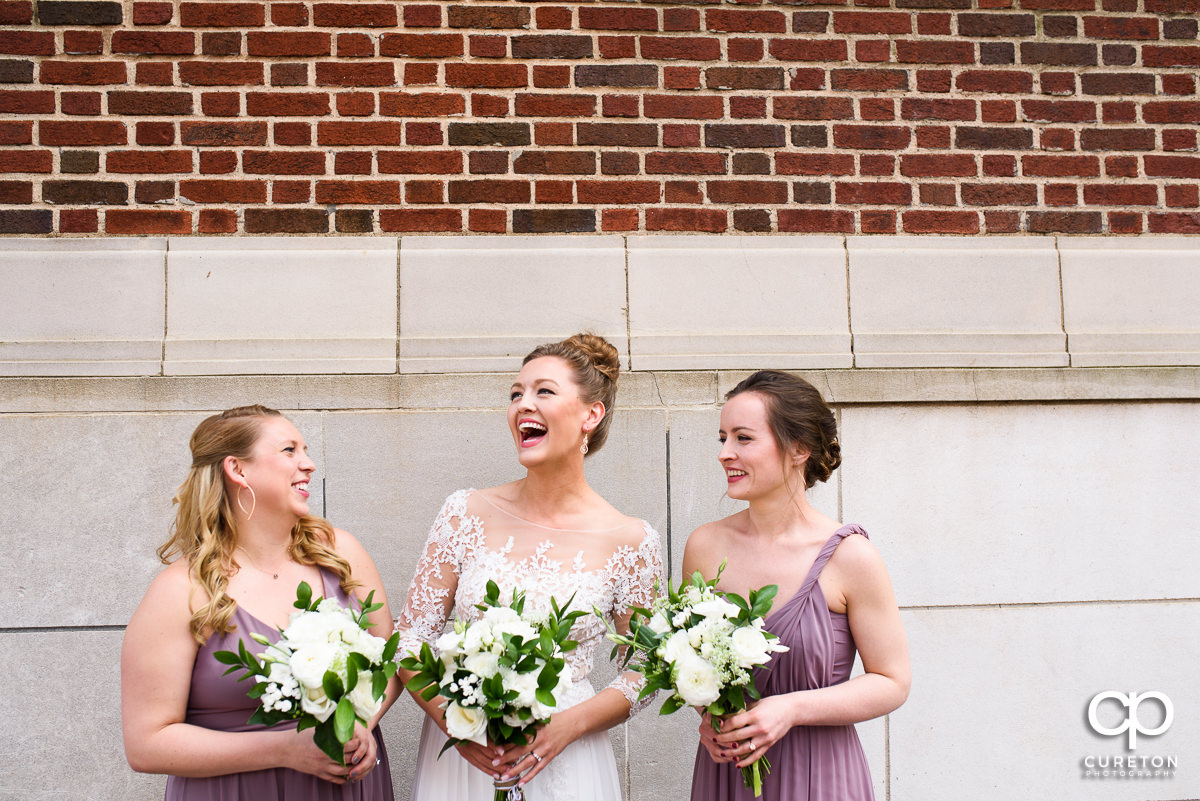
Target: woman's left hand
(747,735)
(360,753)
(528,760)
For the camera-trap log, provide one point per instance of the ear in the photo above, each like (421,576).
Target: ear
(595,415)
(800,455)
(231,466)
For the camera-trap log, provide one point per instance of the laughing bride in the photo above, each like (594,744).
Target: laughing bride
(549,534)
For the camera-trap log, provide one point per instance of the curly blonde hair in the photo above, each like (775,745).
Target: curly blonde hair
(205,533)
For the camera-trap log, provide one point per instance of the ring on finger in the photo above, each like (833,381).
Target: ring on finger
(535,756)
(752,746)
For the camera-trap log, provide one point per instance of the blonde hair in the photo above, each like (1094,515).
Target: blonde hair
(596,365)
(205,533)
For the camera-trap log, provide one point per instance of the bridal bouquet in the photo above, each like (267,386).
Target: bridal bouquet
(326,670)
(701,644)
(501,675)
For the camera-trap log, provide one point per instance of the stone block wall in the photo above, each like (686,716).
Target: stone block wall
(1018,417)
(823,116)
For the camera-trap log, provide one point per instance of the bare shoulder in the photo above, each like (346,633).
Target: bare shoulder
(169,601)
(709,544)
(857,567)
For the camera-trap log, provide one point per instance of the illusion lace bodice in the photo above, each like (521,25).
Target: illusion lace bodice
(473,541)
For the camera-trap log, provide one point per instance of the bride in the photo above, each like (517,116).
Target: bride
(549,534)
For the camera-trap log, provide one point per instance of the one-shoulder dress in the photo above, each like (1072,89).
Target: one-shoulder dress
(809,763)
(216,701)
(471,542)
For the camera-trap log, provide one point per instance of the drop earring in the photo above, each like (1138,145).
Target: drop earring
(584,448)
(253,501)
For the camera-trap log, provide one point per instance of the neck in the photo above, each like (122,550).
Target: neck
(783,512)
(264,541)
(550,491)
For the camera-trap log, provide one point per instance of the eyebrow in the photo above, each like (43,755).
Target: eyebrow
(535,383)
(735,429)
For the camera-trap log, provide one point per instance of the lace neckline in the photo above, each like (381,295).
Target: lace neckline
(507,513)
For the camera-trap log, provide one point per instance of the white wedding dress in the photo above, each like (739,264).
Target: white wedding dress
(473,541)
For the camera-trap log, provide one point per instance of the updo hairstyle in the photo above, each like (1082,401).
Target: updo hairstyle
(596,364)
(797,414)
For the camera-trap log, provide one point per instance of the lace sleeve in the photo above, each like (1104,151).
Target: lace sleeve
(431,593)
(636,572)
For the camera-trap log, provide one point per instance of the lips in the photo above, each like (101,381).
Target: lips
(734,475)
(532,432)
(301,487)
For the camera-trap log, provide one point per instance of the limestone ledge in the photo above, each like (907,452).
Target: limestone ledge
(33,395)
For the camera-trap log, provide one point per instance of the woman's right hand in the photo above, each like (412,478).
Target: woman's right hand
(708,739)
(302,754)
(487,758)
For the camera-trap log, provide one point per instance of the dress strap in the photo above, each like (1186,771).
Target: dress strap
(826,553)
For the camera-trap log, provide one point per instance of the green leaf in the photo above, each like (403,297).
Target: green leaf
(672,704)
(351,675)
(379,681)
(343,721)
(303,596)
(332,685)
(227,658)
(545,696)
(327,741)
(389,650)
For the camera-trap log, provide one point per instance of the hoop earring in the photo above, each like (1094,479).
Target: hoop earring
(584,448)
(253,501)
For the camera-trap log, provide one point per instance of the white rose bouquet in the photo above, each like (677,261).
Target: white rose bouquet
(326,670)
(501,675)
(701,645)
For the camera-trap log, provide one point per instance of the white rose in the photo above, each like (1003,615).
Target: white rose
(716,607)
(516,628)
(696,681)
(310,663)
(477,637)
(484,664)
(678,647)
(307,628)
(315,703)
(466,723)
(750,647)
(365,704)
(500,615)
(449,644)
(369,646)
(526,685)
(659,623)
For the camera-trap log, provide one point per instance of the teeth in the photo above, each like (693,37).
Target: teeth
(303,485)
(529,425)
(732,473)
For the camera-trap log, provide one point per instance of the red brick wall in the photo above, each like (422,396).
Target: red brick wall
(858,116)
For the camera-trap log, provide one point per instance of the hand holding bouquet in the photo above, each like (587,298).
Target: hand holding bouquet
(701,644)
(326,670)
(501,675)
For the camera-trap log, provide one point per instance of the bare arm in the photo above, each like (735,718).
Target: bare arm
(879,634)
(157,657)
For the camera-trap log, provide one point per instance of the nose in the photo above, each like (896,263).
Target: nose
(307,465)
(726,452)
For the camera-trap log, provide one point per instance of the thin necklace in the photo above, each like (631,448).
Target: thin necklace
(249,561)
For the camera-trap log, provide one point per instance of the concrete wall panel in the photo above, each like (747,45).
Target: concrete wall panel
(1027,503)
(82,307)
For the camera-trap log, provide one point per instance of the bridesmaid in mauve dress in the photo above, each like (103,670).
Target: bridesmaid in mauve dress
(242,541)
(780,438)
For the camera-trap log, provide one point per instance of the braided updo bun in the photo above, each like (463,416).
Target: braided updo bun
(797,415)
(596,365)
